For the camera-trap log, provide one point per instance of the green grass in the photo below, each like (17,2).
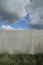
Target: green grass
(21,59)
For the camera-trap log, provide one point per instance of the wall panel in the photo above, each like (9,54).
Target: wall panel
(21,41)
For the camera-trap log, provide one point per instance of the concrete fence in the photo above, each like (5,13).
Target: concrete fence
(21,41)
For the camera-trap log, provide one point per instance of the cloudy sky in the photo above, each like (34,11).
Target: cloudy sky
(21,14)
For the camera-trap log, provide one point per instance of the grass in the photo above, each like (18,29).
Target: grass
(21,59)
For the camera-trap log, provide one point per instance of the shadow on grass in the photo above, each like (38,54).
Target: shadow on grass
(21,59)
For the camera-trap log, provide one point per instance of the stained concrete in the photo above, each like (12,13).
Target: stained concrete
(21,41)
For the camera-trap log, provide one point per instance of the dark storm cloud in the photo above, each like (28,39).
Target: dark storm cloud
(36,9)
(12,10)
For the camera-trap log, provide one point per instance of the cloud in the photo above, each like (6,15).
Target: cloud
(8,27)
(36,12)
(3,27)
(12,11)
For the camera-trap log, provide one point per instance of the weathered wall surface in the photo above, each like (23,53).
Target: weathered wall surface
(21,41)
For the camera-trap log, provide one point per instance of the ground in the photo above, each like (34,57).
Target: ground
(21,59)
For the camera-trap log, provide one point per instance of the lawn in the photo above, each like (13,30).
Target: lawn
(21,59)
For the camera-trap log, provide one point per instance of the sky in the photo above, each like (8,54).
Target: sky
(21,14)
(13,14)
(20,25)
(36,14)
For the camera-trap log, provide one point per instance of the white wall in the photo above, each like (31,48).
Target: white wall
(21,41)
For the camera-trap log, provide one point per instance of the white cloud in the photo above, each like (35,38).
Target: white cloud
(8,27)
(13,10)
(3,27)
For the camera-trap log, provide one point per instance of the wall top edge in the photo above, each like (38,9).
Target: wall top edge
(25,30)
